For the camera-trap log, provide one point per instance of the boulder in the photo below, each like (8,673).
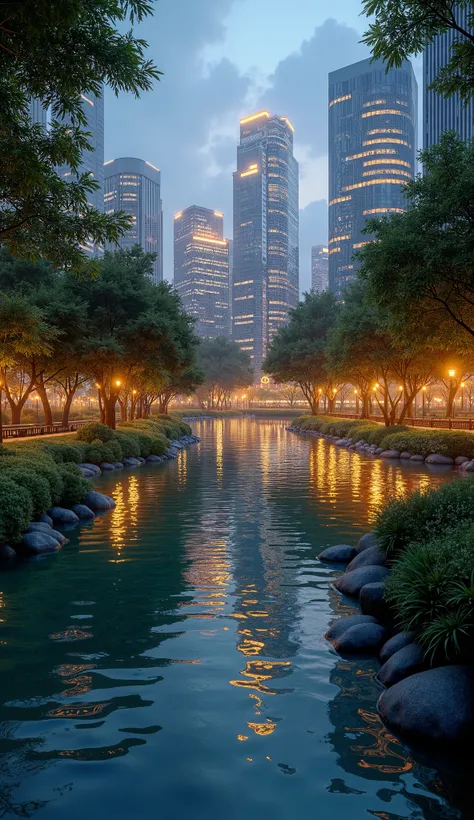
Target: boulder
(83,513)
(437,458)
(407,661)
(470,467)
(111,501)
(45,519)
(398,641)
(405,455)
(435,707)
(351,583)
(62,516)
(379,451)
(118,465)
(360,639)
(390,454)
(86,473)
(154,460)
(92,467)
(338,627)
(106,465)
(417,458)
(39,526)
(6,552)
(58,536)
(340,554)
(38,542)
(141,460)
(171,453)
(369,557)
(461,460)
(97,502)
(368,540)
(372,601)
(130,462)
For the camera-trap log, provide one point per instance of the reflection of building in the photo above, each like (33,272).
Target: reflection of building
(92,162)
(265,265)
(444,113)
(201,269)
(319,268)
(134,186)
(372,144)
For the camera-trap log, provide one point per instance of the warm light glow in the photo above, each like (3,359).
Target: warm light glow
(109,161)
(212,241)
(252,169)
(97,385)
(255,117)
(401,387)
(285,119)
(178,215)
(451,374)
(152,166)
(462,384)
(218,213)
(134,392)
(118,383)
(423,388)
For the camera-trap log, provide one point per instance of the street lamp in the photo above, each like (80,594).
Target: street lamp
(118,383)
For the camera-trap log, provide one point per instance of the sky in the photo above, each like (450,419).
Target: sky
(221,60)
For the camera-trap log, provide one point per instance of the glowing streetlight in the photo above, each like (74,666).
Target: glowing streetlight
(118,383)
(451,374)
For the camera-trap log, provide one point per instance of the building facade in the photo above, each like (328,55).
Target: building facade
(134,186)
(37,113)
(372,149)
(440,113)
(201,269)
(92,161)
(319,268)
(265,281)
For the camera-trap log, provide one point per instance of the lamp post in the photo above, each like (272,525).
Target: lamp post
(451,374)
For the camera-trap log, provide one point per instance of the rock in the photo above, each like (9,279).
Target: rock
(351,583)
(130,462)
(338,627)
(6,552)
(118,465)
(407,661)
(92,467)
(154,460)
(398,641)
(417,458)
(372,601)
(58,536)
(432,707)
(361,638)
(405,455)
(106,465)
(368,540)
(379,451)
(369,557)
(38,542)
(461,460)
(62,516)
(45,519)
(390,454)
(111,501)
(141,460)
(171,453)
(470,467)
(436,458)
(83,513)
(97,502)
(39,526)
(86,473)
(340,554)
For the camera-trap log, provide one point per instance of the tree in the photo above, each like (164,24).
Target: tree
(298,351)
(420,268)
(225,367)
(405,27)
(55,52)
(180,384)
(291,393)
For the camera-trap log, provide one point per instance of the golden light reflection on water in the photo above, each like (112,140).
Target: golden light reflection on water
(182,467)
(219,450)
(124,518)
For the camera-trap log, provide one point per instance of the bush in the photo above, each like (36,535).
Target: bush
(423,515)
(158,445)
(424,442)
(43,465)
(16,510)
(380,434)
(63,453)
(93,431)
(35,484)
(431,589)
(75,487)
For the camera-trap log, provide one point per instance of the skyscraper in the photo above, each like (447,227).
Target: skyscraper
(38,114)
(134,186)
(440,113)
(93,160)
(265,259)
(372,144)
(319,268)
(201,269)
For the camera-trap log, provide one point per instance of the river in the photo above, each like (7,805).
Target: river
(170,662)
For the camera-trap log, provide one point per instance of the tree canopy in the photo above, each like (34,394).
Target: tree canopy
(225,368)
(405,27)
(54,52)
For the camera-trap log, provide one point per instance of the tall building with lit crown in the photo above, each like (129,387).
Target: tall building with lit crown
(134,186)
(265,281)
(201,269)
(319,268)
(92,161)
(372,148)
(440,113)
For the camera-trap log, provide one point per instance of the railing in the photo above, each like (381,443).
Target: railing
(443,424)
(24,430)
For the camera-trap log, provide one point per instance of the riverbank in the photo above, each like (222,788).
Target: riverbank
(399,443)
(46,484)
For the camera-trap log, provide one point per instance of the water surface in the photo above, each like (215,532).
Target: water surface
(169,662)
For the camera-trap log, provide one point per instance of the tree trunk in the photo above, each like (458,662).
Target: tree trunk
(109,406)
(331,404)
(48,415)
(365,405)
(123,408)
(67,408)
(450,402)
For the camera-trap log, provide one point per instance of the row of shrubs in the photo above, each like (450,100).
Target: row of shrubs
(38,474)
(416,441)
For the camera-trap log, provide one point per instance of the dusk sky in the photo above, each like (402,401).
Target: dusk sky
(221,60)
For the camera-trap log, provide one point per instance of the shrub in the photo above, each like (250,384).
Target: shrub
(158,445)
(75,487)
(129,444)
(93,431)
(424,442)
(378,434)
(61,452)
(431,589)
(45,467)
(36,485)
(424,514)
(16,510)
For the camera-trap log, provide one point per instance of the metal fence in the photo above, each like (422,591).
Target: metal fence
(24,430)
(441,424)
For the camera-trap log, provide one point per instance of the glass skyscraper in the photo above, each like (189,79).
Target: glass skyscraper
(444,113)
(372,149)
(93,160)
(38,114)
(319,268)
(265,282)
(134,186)
(201,269)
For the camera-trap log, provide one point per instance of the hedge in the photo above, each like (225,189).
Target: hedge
(451,443)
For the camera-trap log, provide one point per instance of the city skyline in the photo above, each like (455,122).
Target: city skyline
(319,268)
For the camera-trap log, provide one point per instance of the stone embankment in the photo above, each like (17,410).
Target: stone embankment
(431,708)
(44,535)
